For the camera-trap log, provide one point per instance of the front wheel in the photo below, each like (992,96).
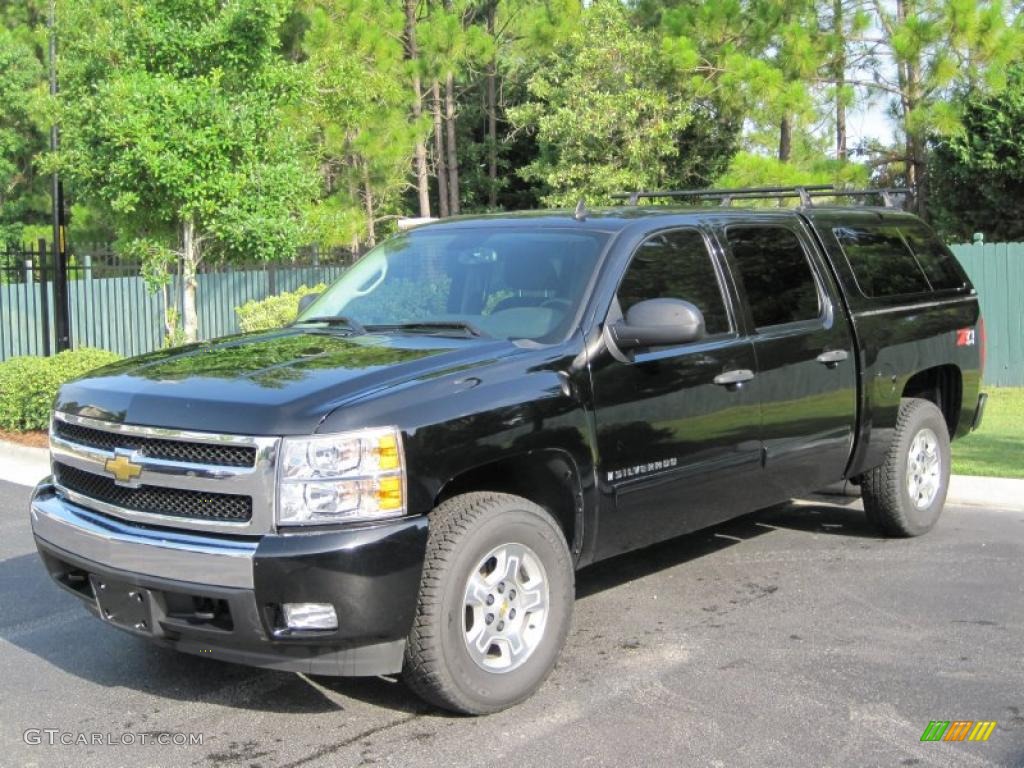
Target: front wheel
(495,604)
(905,495)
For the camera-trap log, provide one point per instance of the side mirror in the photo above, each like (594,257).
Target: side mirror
(306,300)
(658,323)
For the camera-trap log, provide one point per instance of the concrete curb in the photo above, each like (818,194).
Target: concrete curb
(1001,492)
(24,465)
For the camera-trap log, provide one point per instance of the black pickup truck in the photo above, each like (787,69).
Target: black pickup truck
(406,478)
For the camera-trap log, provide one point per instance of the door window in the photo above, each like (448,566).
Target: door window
(774,269)
(676,265)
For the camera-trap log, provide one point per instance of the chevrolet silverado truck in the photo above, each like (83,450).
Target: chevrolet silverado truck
(406,479)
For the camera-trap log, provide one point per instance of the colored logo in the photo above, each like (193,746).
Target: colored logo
(958,730)
(123,469)
(965,337)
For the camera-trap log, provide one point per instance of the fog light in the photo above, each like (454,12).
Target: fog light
(310,616)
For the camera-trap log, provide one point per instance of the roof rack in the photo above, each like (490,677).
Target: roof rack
(806,193)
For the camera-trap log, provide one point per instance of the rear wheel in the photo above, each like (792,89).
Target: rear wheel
(495,604)
(904,496)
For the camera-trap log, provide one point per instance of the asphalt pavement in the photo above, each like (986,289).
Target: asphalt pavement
(792,637)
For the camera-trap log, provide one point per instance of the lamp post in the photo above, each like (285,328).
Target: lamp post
(61,310)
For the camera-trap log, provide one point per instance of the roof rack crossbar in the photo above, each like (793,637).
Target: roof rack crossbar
(634,197)
(805,193)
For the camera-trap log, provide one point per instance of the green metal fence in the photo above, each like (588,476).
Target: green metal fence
(111,307)
(997,271)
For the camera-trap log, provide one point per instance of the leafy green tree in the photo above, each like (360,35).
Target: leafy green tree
(444,54)
(514,37)
(23,198)
(920,52)
(480,54)
(978,173)
(359,110)
(756,58)
(415,70)
(173,116)
(611,112)
(749,169)
(842,24)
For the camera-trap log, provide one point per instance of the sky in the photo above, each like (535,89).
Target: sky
(869,121)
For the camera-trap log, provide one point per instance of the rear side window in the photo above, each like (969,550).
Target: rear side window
(676,265)
(881,261)
(939,264)
(774,269)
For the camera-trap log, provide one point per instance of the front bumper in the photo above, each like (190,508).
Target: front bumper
(221,596)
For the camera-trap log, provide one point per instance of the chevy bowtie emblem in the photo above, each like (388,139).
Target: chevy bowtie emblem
(123,469)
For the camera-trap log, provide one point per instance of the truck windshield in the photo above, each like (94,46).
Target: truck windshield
(503,283)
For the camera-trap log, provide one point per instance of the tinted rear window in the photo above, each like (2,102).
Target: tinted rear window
(881,261)
(938,263)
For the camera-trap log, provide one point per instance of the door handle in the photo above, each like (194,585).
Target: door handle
(833,357)
(734,378)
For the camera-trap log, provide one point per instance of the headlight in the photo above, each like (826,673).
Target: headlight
(341,478)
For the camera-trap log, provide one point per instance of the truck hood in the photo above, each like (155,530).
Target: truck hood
(278,383)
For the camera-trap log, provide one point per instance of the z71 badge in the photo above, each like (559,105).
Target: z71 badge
(641,469)
(965,337)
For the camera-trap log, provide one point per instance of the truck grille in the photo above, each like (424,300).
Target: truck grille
(222,483)
(158,448)
(154,499)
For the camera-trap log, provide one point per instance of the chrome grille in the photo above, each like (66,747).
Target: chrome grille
(158,448)
(193,480)
(153,499)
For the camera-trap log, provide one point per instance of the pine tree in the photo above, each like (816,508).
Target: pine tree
(23,190)
(611,112)
(359,109)
(919,52)
(412,52)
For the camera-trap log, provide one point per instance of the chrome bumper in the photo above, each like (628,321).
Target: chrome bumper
(188,557)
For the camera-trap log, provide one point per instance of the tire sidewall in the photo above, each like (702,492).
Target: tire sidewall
(492,691)
(924,416)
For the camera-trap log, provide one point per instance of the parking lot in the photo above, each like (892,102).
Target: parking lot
(788,638)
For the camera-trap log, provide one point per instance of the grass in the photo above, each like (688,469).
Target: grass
(997,449)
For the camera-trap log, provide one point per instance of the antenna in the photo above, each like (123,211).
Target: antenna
(581,212)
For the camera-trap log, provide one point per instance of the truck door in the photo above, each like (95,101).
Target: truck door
(677,427)
(806,363)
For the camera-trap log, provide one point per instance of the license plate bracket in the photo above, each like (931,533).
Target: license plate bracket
(123,604)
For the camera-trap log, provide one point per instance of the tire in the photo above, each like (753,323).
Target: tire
(887,489)
(465,531)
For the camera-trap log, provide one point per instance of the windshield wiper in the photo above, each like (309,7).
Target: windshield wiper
(354,325)
(427,326)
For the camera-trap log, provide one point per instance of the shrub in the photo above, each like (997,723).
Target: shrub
(273,311)
(28,385)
